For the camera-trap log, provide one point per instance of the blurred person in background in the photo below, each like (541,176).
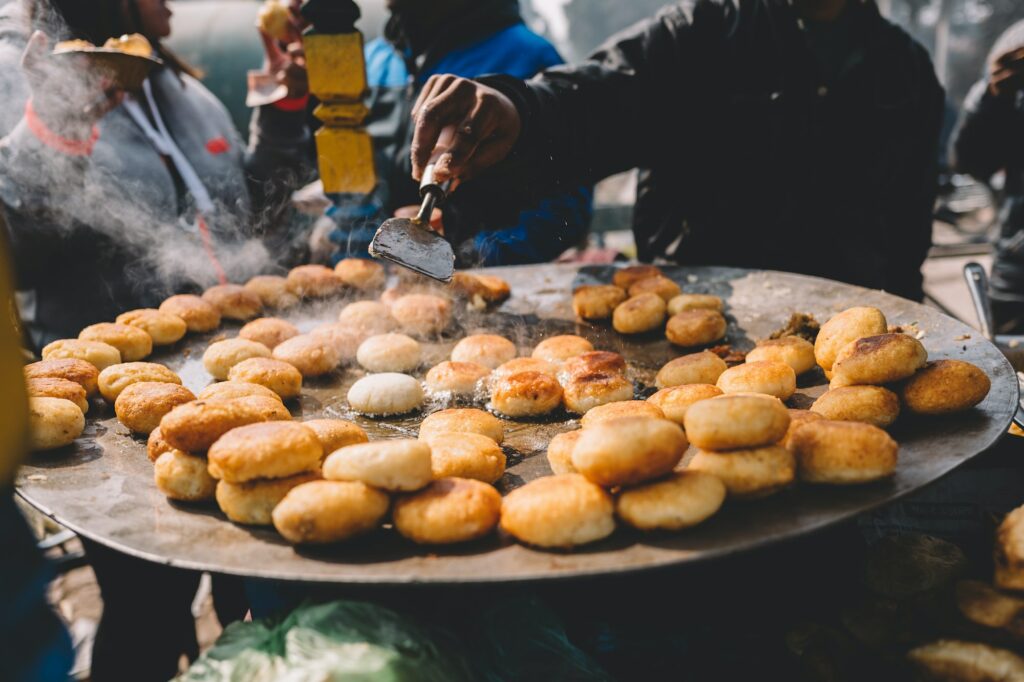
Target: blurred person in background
(796,135)
(34,646)
(93,181)
(990,138)
(115,200)
(469,38)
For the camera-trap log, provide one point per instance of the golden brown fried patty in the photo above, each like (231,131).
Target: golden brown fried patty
(869,404)
(526,394)
(626,277)
(694,302)
(53,423)
(221,356)
(628,450)
(276,375)
(597,301)
(52,387)
(447,511)
(736,421)
(141,406)
(253,502)
(98,354)
(399,465)
(275,449)
(623,408)
(367,318)
(466,455)
(749,472)
(311,355)
(557,349)
(593,362)
(639,314)
(320,512)
(796,352)
(131,342)
(335,434)
(697,327)
(226,390)
(768,376)
(583,392)
(843,452)
(163,327)
(181,476)
(560,452)
(660,285)
(270,331)
(313,281)
(486,288)
(81,372)
(683,499)
(272,290)
(463,420)
(194,427)
(797,418)
(360,273)
(878,359)
(234,301)
(945,386)
(116,378)
(461,379)
(847,326)
(696,368)
(422,314)
(200,316)
(489,350)
(674,401)
(558,511)
(156,445)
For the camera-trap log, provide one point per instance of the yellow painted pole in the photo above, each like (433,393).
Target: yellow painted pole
(337,77)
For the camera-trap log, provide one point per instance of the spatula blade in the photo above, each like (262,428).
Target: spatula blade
(406,242)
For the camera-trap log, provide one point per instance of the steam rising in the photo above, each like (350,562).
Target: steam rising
(54,195)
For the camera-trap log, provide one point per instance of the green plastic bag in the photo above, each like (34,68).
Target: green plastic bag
(341,640)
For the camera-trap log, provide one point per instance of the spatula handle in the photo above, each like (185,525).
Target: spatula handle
(430,186)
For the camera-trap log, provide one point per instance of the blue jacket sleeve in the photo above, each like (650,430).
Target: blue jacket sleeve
(542,233)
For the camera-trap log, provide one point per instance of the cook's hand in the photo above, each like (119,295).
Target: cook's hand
(486,124)
(68,103)
(1006,73)
(436,222)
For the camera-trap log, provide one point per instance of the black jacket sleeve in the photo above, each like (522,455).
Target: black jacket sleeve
(983,141)
(909,204)
(586,122)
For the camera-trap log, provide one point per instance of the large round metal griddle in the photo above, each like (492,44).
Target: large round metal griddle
(102,487)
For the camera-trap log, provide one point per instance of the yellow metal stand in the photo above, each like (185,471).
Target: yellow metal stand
(337,77)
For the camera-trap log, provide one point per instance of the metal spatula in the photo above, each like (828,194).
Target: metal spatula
(411,242)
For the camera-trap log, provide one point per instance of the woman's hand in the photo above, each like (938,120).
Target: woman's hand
(288,63)
(486,126)
(68,101)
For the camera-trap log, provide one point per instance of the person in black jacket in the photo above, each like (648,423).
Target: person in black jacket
(798,136)
(989,138)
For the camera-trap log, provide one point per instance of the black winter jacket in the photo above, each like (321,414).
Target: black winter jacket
(989,138)
(748,156)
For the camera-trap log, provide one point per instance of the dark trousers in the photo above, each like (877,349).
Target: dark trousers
(34,646)
(147,621)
